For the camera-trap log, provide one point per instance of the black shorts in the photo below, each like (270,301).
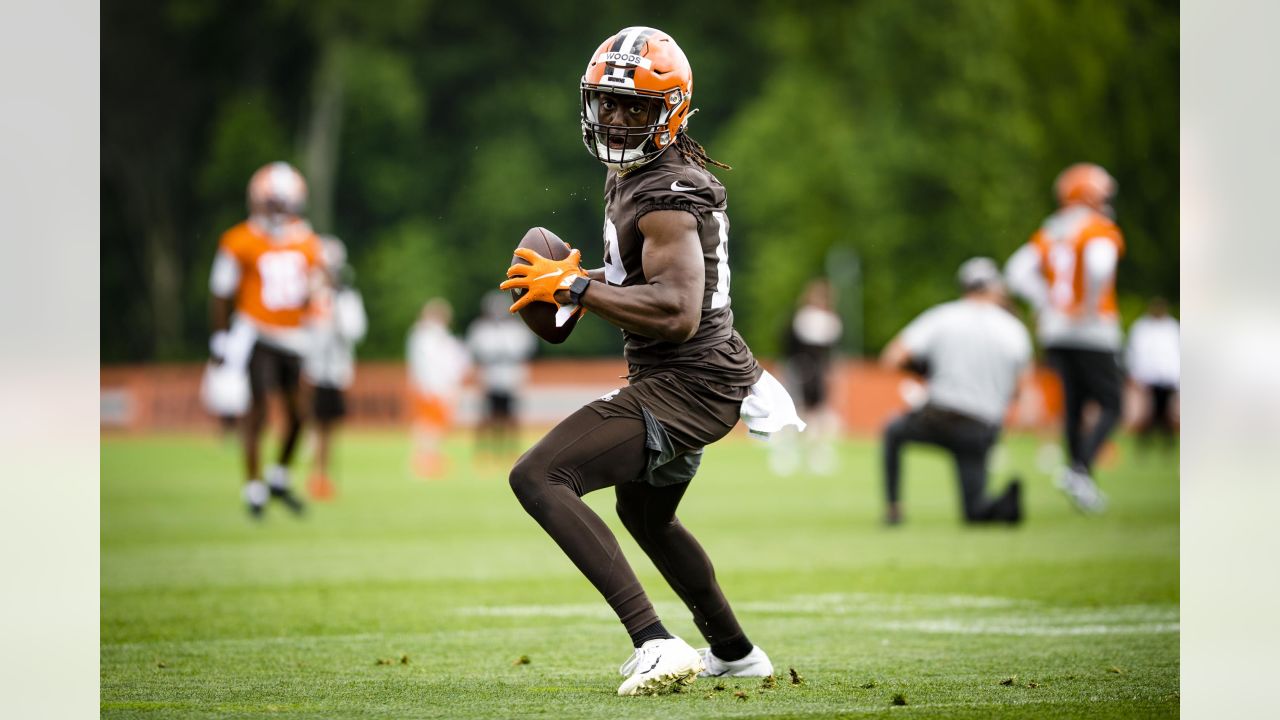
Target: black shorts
(811,377)
(328,403)
(501,404)
(271,368)
(813,393)
(1088,374)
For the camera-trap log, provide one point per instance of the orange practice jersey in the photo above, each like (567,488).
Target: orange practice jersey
(275,274)
(1060,243)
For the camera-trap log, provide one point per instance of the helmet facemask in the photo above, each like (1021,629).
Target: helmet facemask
(623,147)
(635,64)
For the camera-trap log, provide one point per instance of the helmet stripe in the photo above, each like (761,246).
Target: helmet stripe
(627,39)
(628,45)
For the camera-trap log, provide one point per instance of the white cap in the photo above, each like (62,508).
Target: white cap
(978,273)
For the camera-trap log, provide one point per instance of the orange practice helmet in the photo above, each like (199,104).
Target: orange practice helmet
(277,188)
(642,62)
(1085,183)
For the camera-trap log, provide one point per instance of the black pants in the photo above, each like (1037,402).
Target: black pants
(587,452)
(328,404)
(500,406)
(1158,420)
(271,368)
(967,439)
(1087,375)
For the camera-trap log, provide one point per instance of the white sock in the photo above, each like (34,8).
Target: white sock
(278,477)
(255,492)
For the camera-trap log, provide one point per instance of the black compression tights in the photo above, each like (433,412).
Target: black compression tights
(586,452)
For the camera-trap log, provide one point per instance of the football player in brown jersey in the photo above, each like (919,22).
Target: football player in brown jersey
(665,284)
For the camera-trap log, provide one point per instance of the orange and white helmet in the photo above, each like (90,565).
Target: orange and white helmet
(1085,183)
(643,62)
(277,188)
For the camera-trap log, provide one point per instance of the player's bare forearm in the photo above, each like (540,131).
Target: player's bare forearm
(654,310)
(669,305)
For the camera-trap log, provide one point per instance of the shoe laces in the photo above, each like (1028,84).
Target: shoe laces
(644,653)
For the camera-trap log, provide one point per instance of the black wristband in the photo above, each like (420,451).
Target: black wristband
(578,288)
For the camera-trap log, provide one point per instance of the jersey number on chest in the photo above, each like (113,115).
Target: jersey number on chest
(284,279)
(616,273)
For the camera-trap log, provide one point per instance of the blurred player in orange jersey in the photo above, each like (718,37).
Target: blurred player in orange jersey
(1067,272)
(438,362)
(262,281)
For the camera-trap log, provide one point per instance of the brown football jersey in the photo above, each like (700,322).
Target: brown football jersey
(716,351)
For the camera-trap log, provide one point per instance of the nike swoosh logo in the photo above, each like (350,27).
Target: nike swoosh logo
(550,274)
(651,667)
(680,188)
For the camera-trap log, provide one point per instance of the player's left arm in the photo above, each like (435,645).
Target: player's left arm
(669,305)
(348,310)
(317,275)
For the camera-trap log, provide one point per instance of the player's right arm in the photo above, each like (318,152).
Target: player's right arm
(911,348)
(1026,278)
(669,305)
(224,282)
(896,355)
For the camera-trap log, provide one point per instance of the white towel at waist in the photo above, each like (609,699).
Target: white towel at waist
(769,408)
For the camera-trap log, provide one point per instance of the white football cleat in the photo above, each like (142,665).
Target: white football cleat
(1082,490)
(658,665)
(755,664)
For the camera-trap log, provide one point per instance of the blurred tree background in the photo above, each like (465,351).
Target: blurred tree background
(881,141)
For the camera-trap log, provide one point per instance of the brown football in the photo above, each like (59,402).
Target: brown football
(541,316)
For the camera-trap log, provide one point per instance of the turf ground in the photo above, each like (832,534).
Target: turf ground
(412,599)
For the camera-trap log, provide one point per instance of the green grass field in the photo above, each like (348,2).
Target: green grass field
(412,599)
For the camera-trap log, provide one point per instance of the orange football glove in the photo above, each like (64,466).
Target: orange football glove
(541,278)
